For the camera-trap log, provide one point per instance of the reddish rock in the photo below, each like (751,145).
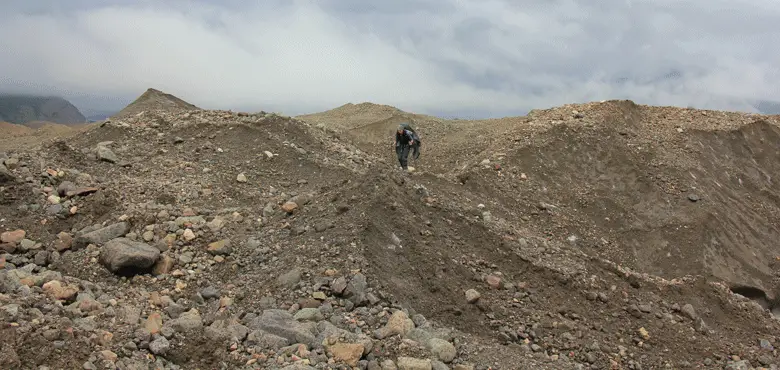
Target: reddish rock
(349,353)
(59,291)
(28,280)
(63,242)
(493,281)
(289,207)
(164,265)
(89,305)
(154,323)
(13,236)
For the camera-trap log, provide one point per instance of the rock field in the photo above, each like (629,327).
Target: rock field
(596,236)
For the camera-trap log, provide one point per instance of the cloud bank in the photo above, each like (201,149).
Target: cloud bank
(481,58)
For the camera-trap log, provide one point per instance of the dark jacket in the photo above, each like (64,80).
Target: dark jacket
(404,138)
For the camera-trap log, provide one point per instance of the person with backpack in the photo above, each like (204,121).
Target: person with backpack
(406,139)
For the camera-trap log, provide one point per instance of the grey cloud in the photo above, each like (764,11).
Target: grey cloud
(378,9)
(467,58)
(16,7)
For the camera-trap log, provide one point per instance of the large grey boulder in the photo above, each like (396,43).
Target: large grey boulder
(105,154)
(122,254)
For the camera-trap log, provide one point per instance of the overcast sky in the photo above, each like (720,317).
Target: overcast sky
(464,58)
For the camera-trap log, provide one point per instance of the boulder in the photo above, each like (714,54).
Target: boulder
(123,254)
(105,154)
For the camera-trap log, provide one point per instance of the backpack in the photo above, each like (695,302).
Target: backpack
(415,135)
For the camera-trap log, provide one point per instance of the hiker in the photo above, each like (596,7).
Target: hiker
(405,139)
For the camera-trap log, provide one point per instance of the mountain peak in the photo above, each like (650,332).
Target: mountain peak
(153,99)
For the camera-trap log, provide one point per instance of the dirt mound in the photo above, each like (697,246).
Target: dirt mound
(372,126)
(154,100)
(351,116)
(645,187)
(597,236)
(11,129)
(16,137)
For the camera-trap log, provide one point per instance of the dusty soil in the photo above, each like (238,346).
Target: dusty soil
(11,129)
(24,137)
(658,189)
(597,236)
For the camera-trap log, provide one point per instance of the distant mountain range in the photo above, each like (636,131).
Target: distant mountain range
(761,106)
(94,115)
(768,107)
(21,109)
